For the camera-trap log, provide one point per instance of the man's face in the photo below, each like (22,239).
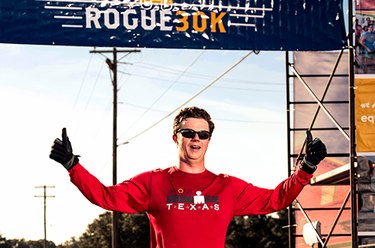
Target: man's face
(192,150)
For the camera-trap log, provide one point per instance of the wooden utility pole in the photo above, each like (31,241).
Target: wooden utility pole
(112,64)
(45,209)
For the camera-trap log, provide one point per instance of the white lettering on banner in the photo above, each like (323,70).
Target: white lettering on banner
(200,16)
(148,19)
(115,17)
(165,17)
(368,118)
(368,105)
(198,20)
(127,23)
(92,16)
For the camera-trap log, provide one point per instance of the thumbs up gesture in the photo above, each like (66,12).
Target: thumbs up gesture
(62,151)
(315,151)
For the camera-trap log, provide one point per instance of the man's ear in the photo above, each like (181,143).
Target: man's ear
(174,137)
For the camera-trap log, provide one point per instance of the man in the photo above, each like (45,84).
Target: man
(368,41)
(188,206)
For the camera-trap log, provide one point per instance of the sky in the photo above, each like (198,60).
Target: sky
(46,88)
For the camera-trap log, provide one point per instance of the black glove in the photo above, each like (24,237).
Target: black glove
(62,151)
(315,151)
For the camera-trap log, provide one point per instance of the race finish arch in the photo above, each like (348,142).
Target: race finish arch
(287,25)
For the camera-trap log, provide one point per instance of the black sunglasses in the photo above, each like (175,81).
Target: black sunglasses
(190,133)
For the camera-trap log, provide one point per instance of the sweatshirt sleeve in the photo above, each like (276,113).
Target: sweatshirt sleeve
(250,199)
(130,196)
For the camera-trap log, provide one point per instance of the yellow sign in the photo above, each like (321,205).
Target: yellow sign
(365,114)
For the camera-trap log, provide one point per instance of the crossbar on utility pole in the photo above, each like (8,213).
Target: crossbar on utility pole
(45,209)
(112,64)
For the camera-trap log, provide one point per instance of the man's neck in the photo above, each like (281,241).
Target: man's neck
(191,167)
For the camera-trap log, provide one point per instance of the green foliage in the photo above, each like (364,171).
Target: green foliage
(244,231)
(133,232)
(21,243)
(261,231)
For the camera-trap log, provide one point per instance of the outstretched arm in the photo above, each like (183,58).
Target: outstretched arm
(130,196)
(255,200)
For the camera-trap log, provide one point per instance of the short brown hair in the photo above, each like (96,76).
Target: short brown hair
(192,112)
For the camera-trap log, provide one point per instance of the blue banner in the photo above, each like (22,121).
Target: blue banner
(292,25)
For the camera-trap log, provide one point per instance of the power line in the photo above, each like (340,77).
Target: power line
(165,91)
(94,87)
(214,86)
(217,119)
(247,121)
(83,82)
(154,67)
(190,99)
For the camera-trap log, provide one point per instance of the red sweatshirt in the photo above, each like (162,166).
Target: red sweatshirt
(188,210)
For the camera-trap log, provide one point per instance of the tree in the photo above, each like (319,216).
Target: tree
(22,243)
(244,231)
(72,243)
(4,243)
(133,232)
(258,231)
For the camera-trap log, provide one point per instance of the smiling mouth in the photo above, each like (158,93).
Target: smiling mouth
(195,147)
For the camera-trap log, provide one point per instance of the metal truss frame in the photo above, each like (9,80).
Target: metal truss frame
(293,73)
(351,176)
